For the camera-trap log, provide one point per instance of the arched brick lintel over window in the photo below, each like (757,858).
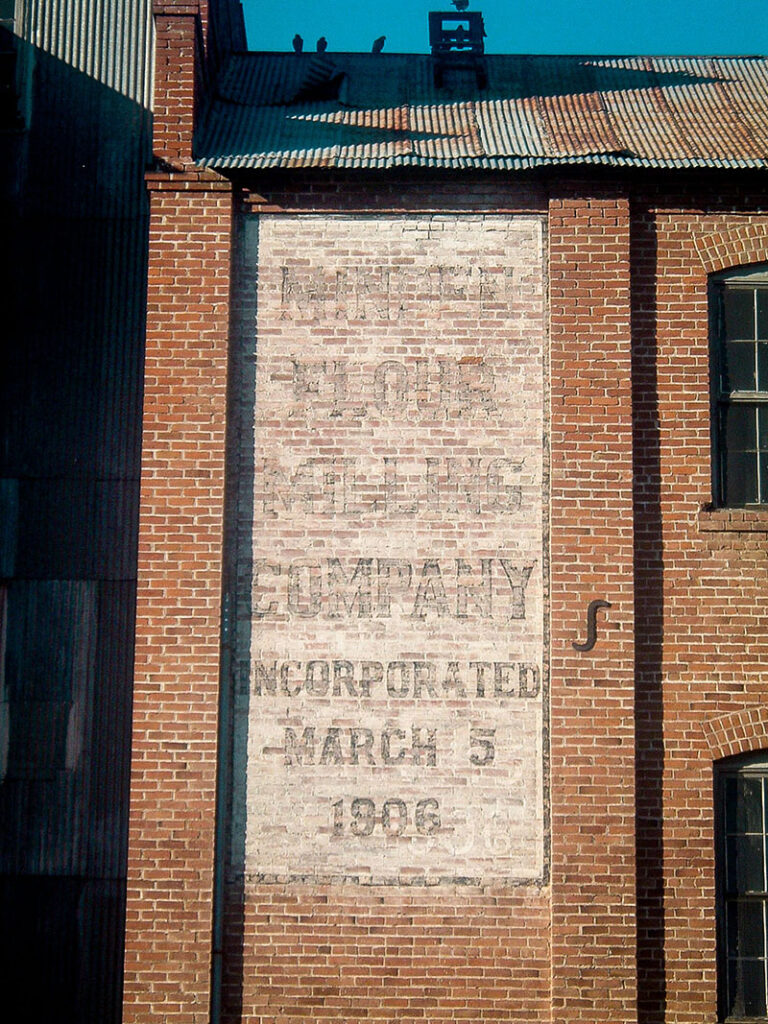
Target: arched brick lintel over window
(742,732)
(736,247)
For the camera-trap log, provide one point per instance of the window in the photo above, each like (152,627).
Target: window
(740,387)
(742,795)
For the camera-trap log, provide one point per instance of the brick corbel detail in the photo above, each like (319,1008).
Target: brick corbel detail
(168,950)
(189,179)
(592,692)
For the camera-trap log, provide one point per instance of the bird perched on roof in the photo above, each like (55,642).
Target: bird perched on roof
(378,44)
(322,44)
(298,43)
(460,5)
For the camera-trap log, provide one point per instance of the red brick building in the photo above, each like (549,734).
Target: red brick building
(451,639)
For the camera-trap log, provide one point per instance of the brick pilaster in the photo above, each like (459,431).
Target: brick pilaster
(173,780)
(592,692)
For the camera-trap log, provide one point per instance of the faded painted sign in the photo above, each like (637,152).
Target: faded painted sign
(392,677)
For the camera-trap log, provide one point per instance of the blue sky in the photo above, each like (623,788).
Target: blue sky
(523,26)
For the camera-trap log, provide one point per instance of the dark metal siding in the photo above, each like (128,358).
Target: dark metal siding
(75,214)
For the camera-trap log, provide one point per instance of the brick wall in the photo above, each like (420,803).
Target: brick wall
(173,786)
(592,705)
(674,681)
(702,576)
(401,358)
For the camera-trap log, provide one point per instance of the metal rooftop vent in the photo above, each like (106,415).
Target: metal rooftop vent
(457,40)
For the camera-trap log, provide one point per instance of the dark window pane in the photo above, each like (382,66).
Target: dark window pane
(754,987)
(762,417)
(762,366)
(743,804)
(740,427)
(746,935)
(763,476)
(746,988)
(762,312)
(747,985)
(738,372)
(744,864)
(739,478)
(742,897)
(738,313)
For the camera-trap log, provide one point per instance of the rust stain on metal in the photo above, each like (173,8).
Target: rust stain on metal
(628,111)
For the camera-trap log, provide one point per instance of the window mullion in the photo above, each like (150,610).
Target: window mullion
(765,891)
(758,469)
(754,337)
(761,386)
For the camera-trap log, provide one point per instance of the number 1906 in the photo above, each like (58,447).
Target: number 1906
(394,817)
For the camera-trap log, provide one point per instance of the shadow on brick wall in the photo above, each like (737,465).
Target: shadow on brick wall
(229,924)
(649,625)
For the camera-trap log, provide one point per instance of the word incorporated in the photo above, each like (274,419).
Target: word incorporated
(416,680)
(372,587)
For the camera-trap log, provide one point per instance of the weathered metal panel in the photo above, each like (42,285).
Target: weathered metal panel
(76,529)
(509,128)
(9,522)
(71,383)
(59,933)
(51,632)
(71,370)
(111,41)
(40,917)
(377,110)
(108,735)
(87,68)
(65,706)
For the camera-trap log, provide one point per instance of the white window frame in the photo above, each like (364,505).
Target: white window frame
(734,404)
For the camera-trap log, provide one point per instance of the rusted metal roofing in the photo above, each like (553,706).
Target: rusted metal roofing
(351,110)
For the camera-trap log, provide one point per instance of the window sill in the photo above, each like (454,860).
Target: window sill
(739,520)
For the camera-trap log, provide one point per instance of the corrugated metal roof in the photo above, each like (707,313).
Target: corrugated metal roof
(383,110)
